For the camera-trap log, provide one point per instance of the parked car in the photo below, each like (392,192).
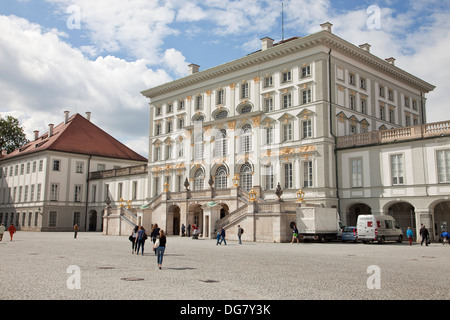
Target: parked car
(379,228)
(349,234)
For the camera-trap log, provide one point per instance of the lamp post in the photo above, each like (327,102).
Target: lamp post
(235,180)
(300,196)
(252,195)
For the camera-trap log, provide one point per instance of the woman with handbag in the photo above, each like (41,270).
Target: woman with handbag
(140,239)
(132,238)
(160,247)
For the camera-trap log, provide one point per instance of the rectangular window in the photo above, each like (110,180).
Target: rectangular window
(306,129)
(119,190)
(25,196)
(288,175)
(356,173)
(268,104)
(199,100)
(94,193)
(306,96)
(287,100)
(287,132)
(52,219)
(287,76)
(382,91)
(181,105)
(56,165)
(38,194)
(54,192)
(268,170)
(391,94)
(397,169)
(363,83)
(268,81)
(306,71)
(28,167)
(364,106)
(79,167)
(32,192)
(307,174)
(352,102)
(134,190)
(77,195)
(220,97)
(269,135)
(351,78)
(244,90)
(41,165)
(443,165)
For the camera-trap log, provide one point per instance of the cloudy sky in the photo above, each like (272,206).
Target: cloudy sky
(97,56)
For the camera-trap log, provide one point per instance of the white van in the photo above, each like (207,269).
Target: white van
(379,228)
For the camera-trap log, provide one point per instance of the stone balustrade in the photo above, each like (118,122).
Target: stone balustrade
(394,135)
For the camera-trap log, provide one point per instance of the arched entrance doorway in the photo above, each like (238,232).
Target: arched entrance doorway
(441,218)
(173,219)
(195,216)
(224,210)
(404,214)
(92,220)
(354,211)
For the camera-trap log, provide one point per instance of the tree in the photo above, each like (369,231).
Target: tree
(12,135)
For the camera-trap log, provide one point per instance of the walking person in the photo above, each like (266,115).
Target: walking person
(12,230)
(132,238)
(183,230)
(140,239)
(222,236)
(424,233)
(155,233)
(409,235)
(75,230)
(239,233)
(2,231)
(160,247)
(218,237)
(295,234)
(189,230)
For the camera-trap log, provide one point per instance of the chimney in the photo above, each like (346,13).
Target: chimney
(88,116)
(50,130)
(391,60)
(193,68)
(266,43)
(326,26)
(36,134)
(365,47)
(66,116)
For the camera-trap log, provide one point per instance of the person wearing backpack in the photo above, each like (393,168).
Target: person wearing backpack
(239,233)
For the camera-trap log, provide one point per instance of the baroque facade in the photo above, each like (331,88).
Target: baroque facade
(270,118)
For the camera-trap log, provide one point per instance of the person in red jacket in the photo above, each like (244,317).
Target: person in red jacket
(12,230)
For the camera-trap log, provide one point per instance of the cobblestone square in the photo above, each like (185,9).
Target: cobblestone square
(40,266)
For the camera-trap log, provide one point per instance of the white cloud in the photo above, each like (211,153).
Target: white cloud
(41,76)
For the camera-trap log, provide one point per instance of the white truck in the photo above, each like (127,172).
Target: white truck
(317,223)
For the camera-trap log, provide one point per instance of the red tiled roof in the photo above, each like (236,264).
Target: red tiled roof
(80,136)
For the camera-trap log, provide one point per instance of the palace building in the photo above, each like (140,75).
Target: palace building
(312,117)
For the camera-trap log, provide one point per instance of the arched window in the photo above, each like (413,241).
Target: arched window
(246,177)
(246,138)
(221,144)
(221,178)
(199,178)
(198,147)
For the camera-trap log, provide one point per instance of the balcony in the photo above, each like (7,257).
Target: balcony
(429,130)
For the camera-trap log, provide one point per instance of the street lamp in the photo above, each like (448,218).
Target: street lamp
(300,196)
(235,180)
(252,195)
